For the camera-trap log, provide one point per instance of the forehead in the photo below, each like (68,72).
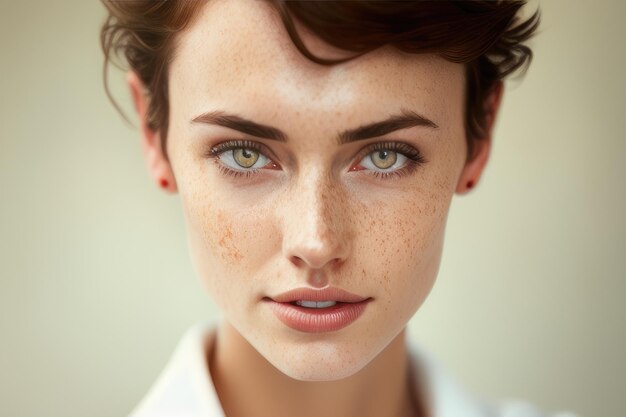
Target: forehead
(238,53)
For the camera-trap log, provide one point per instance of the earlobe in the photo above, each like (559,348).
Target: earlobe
(158,165)
(475,165)
(473,168)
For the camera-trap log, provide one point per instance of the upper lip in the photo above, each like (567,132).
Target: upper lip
(326,294)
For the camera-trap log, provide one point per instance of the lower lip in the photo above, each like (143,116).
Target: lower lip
(318,320)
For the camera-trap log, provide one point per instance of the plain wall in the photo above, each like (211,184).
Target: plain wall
(96,285)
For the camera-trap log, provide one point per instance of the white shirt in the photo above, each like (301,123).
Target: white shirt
(185,387)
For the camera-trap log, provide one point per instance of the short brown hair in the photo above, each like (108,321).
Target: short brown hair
(486,36)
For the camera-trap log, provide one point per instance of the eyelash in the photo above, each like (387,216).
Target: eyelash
(219,149)
(413,161)
(414,158)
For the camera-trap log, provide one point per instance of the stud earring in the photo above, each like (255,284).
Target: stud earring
(470,184)
(164,183)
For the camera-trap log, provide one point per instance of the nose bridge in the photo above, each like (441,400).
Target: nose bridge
(324,208)
(315,228)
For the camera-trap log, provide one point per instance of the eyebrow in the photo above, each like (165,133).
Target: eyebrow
(404,120)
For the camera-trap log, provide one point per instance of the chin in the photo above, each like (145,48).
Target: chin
(319,361)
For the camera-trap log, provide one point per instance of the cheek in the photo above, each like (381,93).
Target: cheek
(242,240)
(402,246)
(228,244)
(214,231)
(224,237)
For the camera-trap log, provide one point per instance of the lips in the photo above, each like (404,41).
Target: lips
(315,311)
(326,294)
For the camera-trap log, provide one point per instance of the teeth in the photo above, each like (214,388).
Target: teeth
(315,304)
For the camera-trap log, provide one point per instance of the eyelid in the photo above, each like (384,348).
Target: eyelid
(413,160)
(403,148)
(236,144)
(216,151)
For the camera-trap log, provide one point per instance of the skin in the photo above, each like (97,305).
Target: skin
(314,216)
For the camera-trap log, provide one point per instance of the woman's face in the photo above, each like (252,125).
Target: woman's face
(364,212)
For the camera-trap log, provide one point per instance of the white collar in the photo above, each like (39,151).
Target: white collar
(185,388)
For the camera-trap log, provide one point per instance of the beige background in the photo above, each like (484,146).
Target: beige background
(95,282)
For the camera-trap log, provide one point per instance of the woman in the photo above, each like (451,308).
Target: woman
(315,149)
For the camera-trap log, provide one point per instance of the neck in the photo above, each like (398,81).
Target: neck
(381,389)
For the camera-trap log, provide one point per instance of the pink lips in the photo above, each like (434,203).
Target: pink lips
(347,309)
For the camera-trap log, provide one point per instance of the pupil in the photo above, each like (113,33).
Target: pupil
(246,154)
(383,154)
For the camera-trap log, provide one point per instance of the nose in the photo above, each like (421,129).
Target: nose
(315,225)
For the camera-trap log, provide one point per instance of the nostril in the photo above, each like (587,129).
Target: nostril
(297,261)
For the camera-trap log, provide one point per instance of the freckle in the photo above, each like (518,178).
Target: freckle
(228,234)
(231,252)
(235,255)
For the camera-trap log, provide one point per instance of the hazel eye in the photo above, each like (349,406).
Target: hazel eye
(384,160)
(240,158)
(245,158)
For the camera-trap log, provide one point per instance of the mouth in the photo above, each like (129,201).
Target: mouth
(315,311)
(309,295)
(315,304)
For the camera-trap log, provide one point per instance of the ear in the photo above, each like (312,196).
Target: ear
(158,165)
(482,146)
